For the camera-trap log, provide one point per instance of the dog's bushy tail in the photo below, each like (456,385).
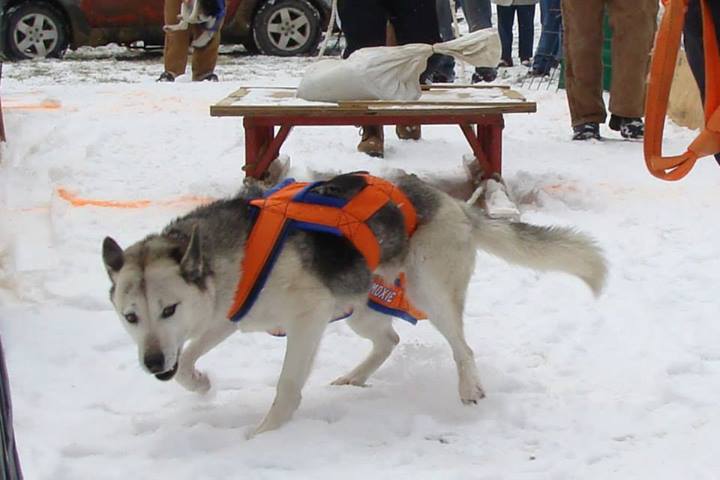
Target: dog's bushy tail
(541,248)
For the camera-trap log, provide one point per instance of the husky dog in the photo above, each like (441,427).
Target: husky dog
(206,13)
(173,290)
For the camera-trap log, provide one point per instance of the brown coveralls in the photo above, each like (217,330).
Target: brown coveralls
(175,53)
(633,23)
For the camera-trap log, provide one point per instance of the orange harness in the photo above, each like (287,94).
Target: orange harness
(661,74)
(292,205)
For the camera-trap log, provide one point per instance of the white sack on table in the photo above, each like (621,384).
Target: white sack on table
(391,73)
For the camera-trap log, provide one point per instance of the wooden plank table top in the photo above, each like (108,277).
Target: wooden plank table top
(436,100)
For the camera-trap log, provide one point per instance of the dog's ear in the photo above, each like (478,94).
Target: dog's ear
(192,264)
(112,256)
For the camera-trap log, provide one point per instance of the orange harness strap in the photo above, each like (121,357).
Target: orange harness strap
(662,69)
(288,206)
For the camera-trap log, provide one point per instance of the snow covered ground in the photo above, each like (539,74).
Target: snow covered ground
(624,386)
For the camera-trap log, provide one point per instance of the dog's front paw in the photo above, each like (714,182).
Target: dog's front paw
(195,381)
(470,394)
(350,380)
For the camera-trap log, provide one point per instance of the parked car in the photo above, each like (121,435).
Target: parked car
(46,28)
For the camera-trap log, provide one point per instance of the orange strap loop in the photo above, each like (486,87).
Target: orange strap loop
(349,220)
(662,70)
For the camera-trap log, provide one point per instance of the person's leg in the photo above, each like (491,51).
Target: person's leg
(505,16)
(363,23)
(633,25)
(204,59)
(526,31)
(478,14)
(446,68)
(545,57)
(582,42)
(445,19)
(415,21)
(175,50)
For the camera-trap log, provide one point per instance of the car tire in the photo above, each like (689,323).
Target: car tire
(287,27)
(35,30)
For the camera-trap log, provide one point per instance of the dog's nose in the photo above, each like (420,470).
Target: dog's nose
(155,362)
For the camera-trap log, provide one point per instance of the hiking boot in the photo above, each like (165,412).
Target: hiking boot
(484,74)
(408,132)
(166,77)
(586,131)
(629,127)
(371,142)
(210,77)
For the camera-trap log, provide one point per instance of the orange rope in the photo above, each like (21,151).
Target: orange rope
(44,105)
(662,70)
(76,201)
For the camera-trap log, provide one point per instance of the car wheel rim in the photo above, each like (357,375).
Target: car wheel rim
(36,35)
(289,29)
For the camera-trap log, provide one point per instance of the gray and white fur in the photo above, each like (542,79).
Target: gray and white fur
(173,291)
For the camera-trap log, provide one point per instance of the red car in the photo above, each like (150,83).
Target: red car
(46,28)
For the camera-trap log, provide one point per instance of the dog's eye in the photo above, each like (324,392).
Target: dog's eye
(131,317)
(169,311)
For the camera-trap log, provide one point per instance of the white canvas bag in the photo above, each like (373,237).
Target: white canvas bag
(391,73)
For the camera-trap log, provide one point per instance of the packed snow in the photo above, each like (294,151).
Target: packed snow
(624,386)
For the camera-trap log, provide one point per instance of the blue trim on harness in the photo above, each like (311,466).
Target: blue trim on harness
(262,278)
(392,312)
(314,227)
(306,196)
(279,186)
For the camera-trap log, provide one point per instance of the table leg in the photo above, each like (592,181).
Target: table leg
(492,144)
(478,143)
(257,139)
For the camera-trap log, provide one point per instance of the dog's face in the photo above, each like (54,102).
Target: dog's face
(162,291)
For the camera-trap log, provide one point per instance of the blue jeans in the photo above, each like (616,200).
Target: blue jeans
(526,30)
(549,52)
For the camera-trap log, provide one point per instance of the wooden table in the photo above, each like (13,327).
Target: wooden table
(477,110)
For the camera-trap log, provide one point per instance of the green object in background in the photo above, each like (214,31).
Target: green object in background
(606,57)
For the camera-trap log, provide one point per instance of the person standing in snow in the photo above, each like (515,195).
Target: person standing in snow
(364,23)
(633,24)
(525,11)
(175,51)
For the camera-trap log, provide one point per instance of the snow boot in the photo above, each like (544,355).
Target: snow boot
(628,127)
(586,131)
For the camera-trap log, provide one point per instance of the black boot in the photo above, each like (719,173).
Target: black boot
(484,74)
(166,77)
(628,127)
(586,131)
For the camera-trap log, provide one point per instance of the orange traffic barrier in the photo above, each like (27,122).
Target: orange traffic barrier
(667,45)
(76,201)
